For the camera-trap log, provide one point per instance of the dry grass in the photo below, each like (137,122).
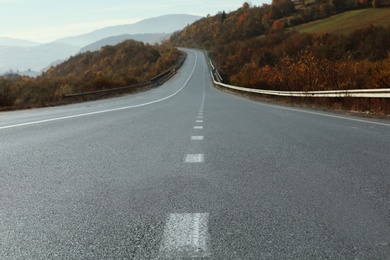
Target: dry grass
(348,22)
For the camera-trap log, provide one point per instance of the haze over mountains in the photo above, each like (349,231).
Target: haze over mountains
(161,24)
(31,58)
(5,41)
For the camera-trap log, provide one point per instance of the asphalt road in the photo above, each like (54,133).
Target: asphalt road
(186,171)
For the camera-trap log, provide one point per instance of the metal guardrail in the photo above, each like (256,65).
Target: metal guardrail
(358,93)
(156,81)
(161,76)
(107,90)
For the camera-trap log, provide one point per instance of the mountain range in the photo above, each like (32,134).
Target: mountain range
(161,24)
(27,57)
(5,41)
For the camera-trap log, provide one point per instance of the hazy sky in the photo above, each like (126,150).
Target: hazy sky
(47,20)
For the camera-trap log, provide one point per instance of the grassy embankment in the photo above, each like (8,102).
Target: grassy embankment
(348,22)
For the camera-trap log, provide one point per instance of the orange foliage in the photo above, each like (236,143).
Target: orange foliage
(306,72)
(381,74)
(243,18)
(277,26)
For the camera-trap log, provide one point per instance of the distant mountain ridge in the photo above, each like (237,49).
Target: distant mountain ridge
(22,55)
(151,38)
(6,41)
(35,58)
(160,24)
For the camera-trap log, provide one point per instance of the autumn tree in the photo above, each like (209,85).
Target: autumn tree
(282,8)
(277,26)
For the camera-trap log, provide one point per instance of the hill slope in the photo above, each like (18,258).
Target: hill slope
(348,22)
(125,64)
(251,48)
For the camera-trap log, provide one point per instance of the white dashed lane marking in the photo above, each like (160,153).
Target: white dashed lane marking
(199,121)
(194,158)
(198,127)
(197,138)
(186,236)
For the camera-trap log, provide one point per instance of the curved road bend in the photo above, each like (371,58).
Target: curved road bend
(186,171)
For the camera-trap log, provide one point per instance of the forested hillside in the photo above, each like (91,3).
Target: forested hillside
(125,64)
(252,47)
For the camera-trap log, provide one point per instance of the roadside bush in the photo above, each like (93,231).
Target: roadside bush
(6,97)
(380,77)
